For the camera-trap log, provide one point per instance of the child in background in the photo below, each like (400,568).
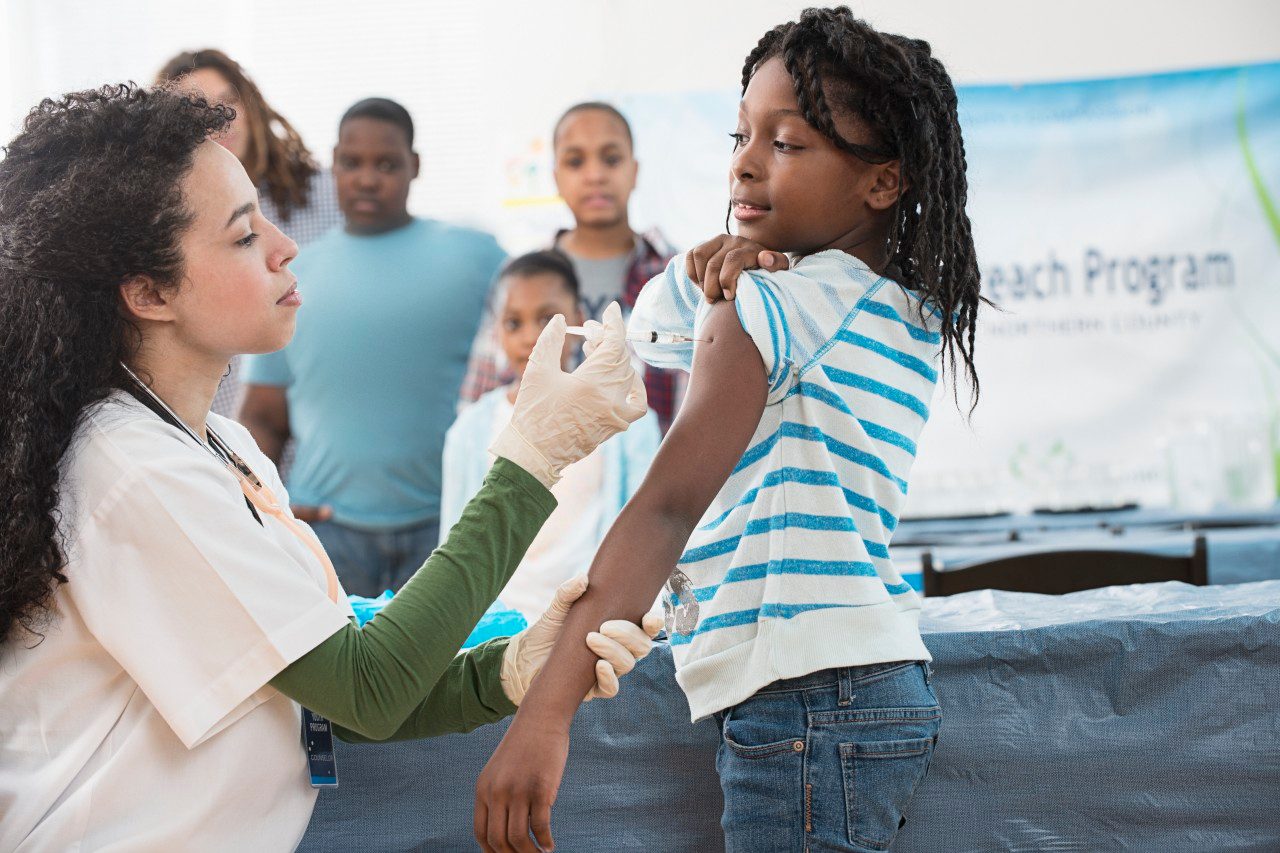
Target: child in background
(367,387)
(595,172)
(775,494)
(532,289)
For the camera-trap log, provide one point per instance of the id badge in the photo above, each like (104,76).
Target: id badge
(317,737)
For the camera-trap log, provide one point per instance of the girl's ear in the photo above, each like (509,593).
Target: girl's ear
(142,299)
(887,187)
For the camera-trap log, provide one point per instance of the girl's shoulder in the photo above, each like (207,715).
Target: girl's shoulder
(840,278)
(859,300)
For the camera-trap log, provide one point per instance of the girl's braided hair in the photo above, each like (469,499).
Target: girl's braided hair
(905,97)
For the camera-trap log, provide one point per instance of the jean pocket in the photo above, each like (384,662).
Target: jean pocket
(879,780)
(753,735)
(765,750)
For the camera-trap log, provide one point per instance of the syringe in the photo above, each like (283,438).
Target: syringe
(592,333)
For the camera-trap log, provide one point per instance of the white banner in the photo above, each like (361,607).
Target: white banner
(1127,230)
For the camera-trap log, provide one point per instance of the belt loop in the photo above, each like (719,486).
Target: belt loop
(846,686)
(928,673)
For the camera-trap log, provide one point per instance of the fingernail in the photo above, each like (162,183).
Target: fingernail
(768,257)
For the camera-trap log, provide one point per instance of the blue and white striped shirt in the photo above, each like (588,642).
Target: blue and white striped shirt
(789,572)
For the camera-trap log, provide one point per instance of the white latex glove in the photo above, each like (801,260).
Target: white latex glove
(561,417)
(594,334)
(618,644)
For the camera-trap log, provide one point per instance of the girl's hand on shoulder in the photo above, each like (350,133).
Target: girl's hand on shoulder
(716,264)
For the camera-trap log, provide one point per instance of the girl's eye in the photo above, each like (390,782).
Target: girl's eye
(247,241)
(784,147)
(739,140)
(573,163)
(511,325)
(612,161)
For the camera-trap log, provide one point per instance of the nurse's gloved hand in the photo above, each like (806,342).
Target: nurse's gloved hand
(561,417)
(619,645)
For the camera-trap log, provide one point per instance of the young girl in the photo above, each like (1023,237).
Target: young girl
(775,493)
(534,288)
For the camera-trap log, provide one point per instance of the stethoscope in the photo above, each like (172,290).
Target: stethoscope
(255,492)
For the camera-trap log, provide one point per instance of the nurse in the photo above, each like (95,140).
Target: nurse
(163,616)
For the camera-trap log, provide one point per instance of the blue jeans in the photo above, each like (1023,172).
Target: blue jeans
(370,561)
(828,761)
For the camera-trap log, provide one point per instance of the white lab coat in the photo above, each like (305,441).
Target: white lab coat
(144,720)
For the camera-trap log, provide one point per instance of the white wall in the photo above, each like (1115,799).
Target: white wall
(485,80)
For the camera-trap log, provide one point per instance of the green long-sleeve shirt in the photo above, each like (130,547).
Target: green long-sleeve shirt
(400,677)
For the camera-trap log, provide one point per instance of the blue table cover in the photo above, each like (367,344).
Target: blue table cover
(1127,718)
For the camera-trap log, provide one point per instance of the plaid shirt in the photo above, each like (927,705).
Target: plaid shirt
(487,369)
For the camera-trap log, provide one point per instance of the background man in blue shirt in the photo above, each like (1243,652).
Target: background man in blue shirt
(369,384)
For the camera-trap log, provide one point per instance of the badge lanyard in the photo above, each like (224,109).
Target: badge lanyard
(317,732)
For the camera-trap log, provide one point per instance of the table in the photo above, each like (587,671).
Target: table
(1143,717)
(1242,546)
(1124,517)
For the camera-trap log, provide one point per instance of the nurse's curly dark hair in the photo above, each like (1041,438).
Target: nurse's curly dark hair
(840,64)
(90,196)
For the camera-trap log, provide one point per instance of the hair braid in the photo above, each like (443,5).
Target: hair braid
(765,48)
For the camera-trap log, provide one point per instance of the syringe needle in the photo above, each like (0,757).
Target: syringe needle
(653,337)
(660,338)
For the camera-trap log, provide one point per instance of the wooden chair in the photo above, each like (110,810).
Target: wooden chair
(1058,572)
